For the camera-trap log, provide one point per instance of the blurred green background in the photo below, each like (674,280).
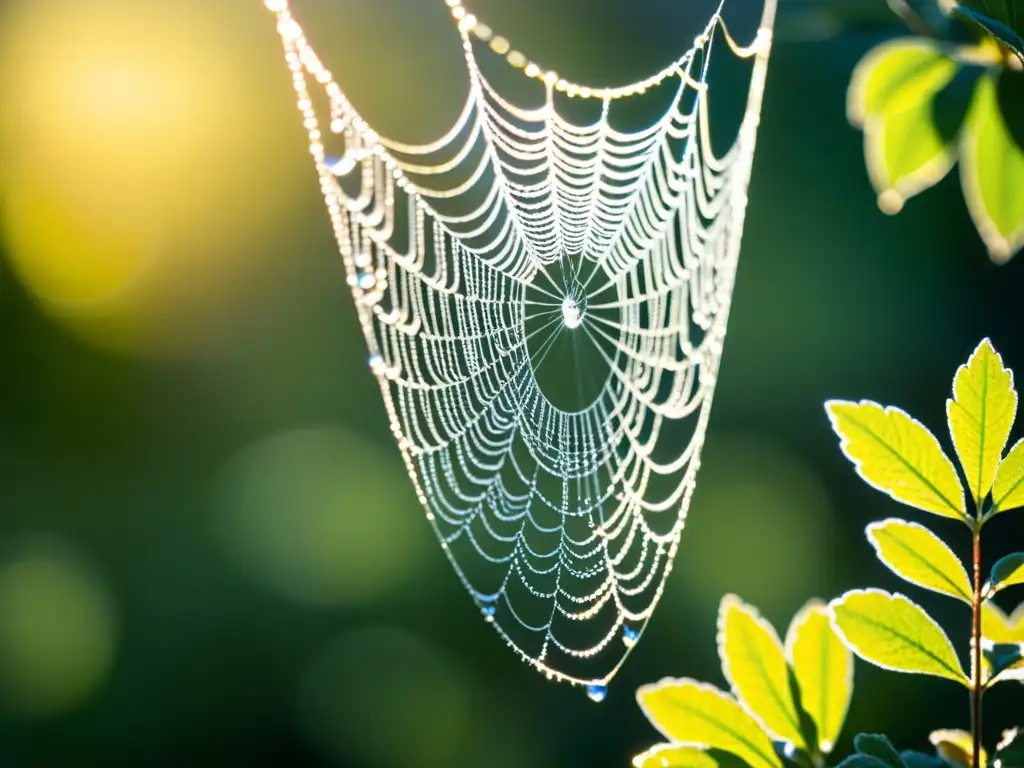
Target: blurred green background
(209,552)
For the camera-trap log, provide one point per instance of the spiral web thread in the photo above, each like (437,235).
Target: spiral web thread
(470,257)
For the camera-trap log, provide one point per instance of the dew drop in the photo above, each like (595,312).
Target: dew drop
(376,364)
(629,636)
(488,612)
(596,692)
(366,280)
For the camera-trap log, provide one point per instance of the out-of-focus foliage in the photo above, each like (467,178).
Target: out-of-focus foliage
(924,102)
(786,705)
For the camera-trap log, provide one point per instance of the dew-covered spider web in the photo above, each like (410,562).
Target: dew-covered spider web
(544,293)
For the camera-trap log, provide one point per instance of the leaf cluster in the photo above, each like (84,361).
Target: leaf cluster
(899,456)
(786,703)
(925,102)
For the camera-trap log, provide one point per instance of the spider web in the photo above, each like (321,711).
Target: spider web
(483,262)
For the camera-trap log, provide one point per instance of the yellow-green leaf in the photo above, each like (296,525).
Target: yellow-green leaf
(980,415)
(674,756)
(916,554)
(956,748)
(696,713)
(894,633)
(890,96)
(1008,489)
(893,76)
(992,174)
(755,666)
(823,668)
(1006,572)
(906,153)
(997,627)
(898,455)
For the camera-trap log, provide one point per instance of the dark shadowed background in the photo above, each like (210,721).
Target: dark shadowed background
(209,552)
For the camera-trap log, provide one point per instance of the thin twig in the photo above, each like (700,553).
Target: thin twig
(976,689)
(912,18)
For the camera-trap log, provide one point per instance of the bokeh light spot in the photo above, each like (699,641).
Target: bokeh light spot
(57,632)
(382,697)
(129,195)
(320,516)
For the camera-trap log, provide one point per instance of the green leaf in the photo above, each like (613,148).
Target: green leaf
(999,25)
(1006,572)
(823,667)
(955,747)
(674,756)
(862,761)
(891,96)
(754,665)
(894,633)
(920,760)
(893,76)
(1010,750)
(998,628)
(686,711)
(878,746)
(1004,658)
(916,554)
(1008,489)
(981,414)
(992,174)
(898,455)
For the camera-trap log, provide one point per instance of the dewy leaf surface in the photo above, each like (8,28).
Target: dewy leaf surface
(696,713)
(823,667)
(898,455)
(755,666)
(981,414)
(892,632)
(916,554)
(1008,489)
(992,174)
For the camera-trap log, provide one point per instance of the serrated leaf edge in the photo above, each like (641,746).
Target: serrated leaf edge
(844,443)
(817,605)
(965,370)
(734,601)
(895,596)
(872,527)
(667,682)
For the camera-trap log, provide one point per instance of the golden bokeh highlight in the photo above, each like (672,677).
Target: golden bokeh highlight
(131,141)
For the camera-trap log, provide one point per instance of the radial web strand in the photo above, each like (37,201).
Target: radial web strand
(484,263)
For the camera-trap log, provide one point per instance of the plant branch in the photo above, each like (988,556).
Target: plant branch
(976,687)
(912,18)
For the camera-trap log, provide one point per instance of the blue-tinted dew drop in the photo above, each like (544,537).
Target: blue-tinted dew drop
(488,611)
(596,692)
(629,636)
